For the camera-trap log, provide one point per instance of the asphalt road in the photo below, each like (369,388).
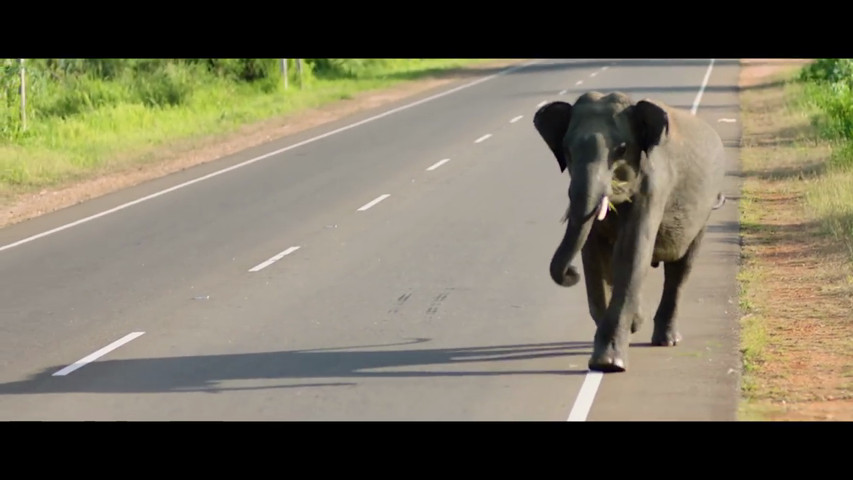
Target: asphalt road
(340,278)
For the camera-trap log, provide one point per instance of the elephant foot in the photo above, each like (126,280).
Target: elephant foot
(607,359)
(607,365)
(666,339)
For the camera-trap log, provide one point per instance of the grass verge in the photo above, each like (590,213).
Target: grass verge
(796,278)
(96,157)
(60,150)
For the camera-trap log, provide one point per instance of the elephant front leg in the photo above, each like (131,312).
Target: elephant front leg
(675,275)
(597,276)
(631,261)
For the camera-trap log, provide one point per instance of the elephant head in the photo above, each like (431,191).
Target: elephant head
(600,140)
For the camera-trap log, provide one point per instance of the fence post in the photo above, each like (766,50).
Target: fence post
(23,96)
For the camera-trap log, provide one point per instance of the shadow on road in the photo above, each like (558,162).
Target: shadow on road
(729,229)
(639,92)
(204,373)
(651,91)
(800,172)
(620,63)
(566,65)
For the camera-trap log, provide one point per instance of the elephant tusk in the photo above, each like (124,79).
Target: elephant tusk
(602,210)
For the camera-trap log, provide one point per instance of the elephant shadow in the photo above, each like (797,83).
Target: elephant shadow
(317,367)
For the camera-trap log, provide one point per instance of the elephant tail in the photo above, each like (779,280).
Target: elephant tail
(721,200)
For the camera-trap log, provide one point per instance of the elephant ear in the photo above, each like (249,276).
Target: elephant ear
(651,121)
(552,122)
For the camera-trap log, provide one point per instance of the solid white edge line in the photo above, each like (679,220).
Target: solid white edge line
(437,164)
(262,157)
(100,353)
(586,395)
(702,88)
(373,202)
(516,119)
(274,259)
(484,137)
(583,402)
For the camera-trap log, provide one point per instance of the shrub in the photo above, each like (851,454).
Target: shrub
(243,69)
(835,101)
(167,85)
(345,67)
(829,70)
(78,95)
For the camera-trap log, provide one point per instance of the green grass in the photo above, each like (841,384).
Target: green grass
(830,198)
(753,345)
(753,339)
(94,125)
(750,412)
(828,95)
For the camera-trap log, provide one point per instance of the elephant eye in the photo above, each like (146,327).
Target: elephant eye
(620,150)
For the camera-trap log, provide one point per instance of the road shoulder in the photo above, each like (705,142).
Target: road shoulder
(796,282)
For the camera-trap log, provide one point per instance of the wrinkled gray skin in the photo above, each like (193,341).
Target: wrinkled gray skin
(668,166)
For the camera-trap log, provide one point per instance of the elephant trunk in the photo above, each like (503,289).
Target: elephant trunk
(562,271)
(588,204)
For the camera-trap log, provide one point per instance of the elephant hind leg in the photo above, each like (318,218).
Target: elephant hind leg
(675,275)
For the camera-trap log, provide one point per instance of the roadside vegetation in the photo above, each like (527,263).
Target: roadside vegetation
(88,117)
(797,231)
(829,89)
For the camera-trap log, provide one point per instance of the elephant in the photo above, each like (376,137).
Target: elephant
(644,179)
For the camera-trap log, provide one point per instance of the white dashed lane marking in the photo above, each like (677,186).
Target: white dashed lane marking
(373,202)
(274,259)
(437,164)
(98,354)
